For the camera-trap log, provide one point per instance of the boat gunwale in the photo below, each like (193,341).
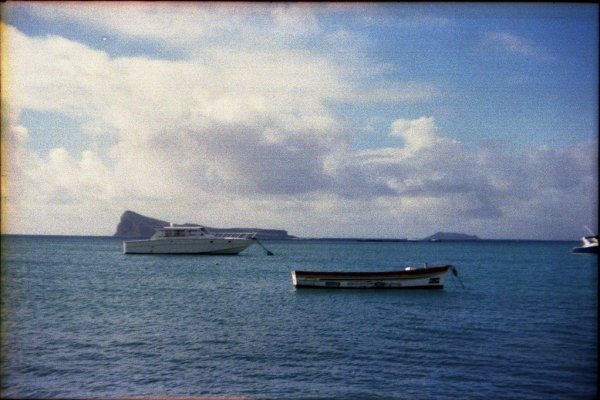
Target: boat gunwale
(190,238)
(320,287)
(390,275)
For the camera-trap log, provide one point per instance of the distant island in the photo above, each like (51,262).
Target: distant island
(449,236)
(436,237)
(134,225)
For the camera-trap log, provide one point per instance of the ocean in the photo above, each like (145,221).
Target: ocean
(82,320)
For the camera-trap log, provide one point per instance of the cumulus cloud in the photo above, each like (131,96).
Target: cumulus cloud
(156,21)
(249,122)
(187,27)
(432,168)
(440,176)
(417,133)
(248,135)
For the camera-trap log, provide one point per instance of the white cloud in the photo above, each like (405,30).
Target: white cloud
(239,122)
(294,19)
(187,26)
(417,133)
(13,154)
(157,21)
(440,177)
(513,44)
(249,137)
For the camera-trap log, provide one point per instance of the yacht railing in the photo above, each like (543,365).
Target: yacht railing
(234,235)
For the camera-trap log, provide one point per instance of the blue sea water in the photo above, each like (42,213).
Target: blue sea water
(81,319)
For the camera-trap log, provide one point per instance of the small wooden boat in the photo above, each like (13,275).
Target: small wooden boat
(426,277)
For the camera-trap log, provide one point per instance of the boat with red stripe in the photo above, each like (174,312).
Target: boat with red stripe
(426,277)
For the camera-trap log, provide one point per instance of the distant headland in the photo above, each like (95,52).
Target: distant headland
(449,236)
(134,225)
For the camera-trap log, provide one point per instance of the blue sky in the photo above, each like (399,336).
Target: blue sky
(335,119)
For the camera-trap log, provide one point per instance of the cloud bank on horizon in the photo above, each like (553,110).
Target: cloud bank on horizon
(326,120)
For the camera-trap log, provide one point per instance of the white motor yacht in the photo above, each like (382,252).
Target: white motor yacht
(589,244)
(189,240)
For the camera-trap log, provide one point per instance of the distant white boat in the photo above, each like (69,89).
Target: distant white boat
(589,244)
(189,240)
(432,277)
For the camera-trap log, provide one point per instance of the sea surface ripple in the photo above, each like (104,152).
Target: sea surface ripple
(81,319)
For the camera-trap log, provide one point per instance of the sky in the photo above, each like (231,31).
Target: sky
(383,120)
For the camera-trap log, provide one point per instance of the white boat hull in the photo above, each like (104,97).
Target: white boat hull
(589,244)
(187,246)
(593,249)
(422,278)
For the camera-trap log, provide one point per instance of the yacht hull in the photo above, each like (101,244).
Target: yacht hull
(585,249)
(187,246)
(589,245)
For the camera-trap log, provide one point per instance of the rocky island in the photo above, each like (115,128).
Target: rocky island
(449,236)
(134,225)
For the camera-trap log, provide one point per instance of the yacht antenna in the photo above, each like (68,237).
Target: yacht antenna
(589,230)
